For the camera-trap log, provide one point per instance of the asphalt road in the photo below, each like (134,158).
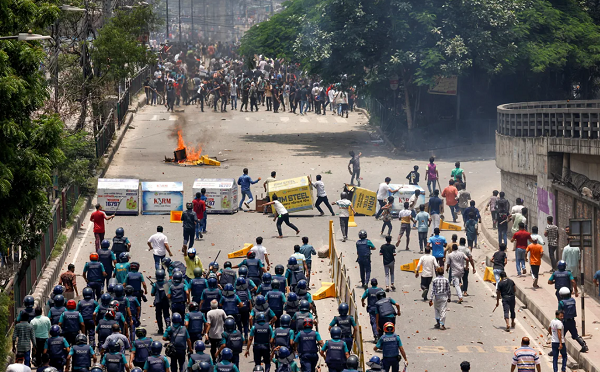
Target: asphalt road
(293,146)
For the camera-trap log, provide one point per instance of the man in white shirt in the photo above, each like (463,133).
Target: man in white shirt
(321,195)
(382,194)
(19,365)
(261,253)
(159,245)
(428,264)
(558,340)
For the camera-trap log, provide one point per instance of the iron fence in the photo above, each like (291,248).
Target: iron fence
(105,134)
(344,293)
(133,86)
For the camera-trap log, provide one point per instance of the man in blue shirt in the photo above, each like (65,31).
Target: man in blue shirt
(437,243)
(245,181)
(436,206)
(307,250)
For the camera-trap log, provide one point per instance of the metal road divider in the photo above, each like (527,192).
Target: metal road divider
(345,293)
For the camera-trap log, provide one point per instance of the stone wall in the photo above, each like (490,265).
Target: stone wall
(521,186)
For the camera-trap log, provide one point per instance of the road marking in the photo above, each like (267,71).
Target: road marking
(285,119)
(322,120)
(155,117)
(340,120)
(87,231)
(172,117)
(303,120)
(465,349)
(431,349)
(505,349)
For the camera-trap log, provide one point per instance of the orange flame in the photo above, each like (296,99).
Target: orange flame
(191,153)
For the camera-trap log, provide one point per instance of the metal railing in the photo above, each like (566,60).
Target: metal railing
(345,294)
(105,134)
(133,86)
(573,119)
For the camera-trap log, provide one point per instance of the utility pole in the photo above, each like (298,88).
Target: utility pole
(192,6)
(180,21)
(167,35)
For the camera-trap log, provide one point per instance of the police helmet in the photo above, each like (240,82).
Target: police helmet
(229,325)
(214,265)
(59,301)
(80,339)
(105,244)
(374,282)
(110,288)
(199,346)
(124,257)
(105,299)
(292,297)
(97,368)
(137,369)
(258,368)
(561,266)
(374,362)
(88,293)
(285,320)
(212,283)
(71,305)
(155,348)
(292,261)
(119,290)
(59,289)
(240,283)
(302,284)
(308,323)
(226,354)
(212,275)
(140,332)
(362,234)
(284,355)
(28,301)
(275,284)
(177,277)
(279,269)
(114,304)
(110,313)
(197,272)
(260,318)
(191,252)
(343,308)
(564,292)
(352,362)
(251,254)
(53,369)
(227,265)
(55,330)
(166,261)
(266,278)
(243,271)
(128,290)
(135,266)
(344,195)
(176,318)
(336,333)
(160,275)
(205,367)
(228,290)
(120,232)
(380,295)
(304,305)
(193,306)
(389,327)
(93,257)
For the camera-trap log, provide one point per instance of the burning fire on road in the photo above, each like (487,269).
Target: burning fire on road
(188,155)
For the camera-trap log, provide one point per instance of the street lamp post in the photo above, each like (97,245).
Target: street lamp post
(180,21)
(580,232)
(167,10)
(192,9)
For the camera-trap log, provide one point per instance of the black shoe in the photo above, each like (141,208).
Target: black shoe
(160,331)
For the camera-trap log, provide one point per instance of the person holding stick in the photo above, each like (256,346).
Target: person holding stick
(98,217)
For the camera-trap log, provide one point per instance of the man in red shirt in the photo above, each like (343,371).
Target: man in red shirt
(521,237)
(98,218)
(200,209)
(450,193)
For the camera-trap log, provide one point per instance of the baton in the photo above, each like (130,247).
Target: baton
(118,205)
(215,260)
(495,308)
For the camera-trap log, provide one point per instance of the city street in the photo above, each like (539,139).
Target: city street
(293,146)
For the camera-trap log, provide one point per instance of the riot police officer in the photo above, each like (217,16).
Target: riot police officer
(71,322)
(243,273)
(265,286)
(86,308)
(262,336)
(156,362)
(199,356)
(276,300)
(303,294)
(140,349)
(114,360)
(136,280)
(284,336)
(294,274)
(161,300)
(28,302)
(230,303)
(346,323)
(285,360)
(375,364)
(104,328)
(261,306)
(563,278)
(302,314)
(94,274)
(569,307)
(195,322)
(178,335)
(209,294)
(123,305)
(57,310)
(351,364)
(57,290)
(81,354)
(280,276)
(178,293)
(232,339)
(391,345)
(107,258)
(227,275)
(136,311)
(102,308)
(120,243)
(308,342)
(197,285)
(225,364)
(292,305)
(384,310)
(57,348)
(371,296)
(363,251)
(335,351)
(255,267)
(243,293)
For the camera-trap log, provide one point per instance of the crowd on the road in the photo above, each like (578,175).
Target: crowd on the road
(195,74)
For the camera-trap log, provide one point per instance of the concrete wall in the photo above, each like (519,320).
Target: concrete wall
(586,164)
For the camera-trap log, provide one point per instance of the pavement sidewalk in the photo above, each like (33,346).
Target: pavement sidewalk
(542,302)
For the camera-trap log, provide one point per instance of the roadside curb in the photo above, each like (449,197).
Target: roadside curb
(582,359)
(50,273)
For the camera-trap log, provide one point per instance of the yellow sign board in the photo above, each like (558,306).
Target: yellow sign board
(363,201)
(295,193)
